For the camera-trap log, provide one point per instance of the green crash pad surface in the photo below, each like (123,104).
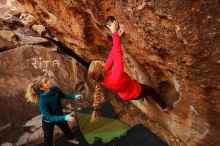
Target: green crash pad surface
(107,127)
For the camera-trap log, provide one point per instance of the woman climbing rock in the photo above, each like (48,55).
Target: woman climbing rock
(111,73)
(48,98)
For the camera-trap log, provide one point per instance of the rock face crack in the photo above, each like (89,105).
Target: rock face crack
(68,51)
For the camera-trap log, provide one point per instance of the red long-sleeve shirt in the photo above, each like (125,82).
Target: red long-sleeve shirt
(115,77)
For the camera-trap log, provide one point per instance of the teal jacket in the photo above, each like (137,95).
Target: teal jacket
(50,104)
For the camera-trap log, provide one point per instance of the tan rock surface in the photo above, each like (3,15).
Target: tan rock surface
(24,55)
(175,45)
(172,45)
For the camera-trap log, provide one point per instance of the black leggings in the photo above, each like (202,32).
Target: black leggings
(48,131)
(149,91)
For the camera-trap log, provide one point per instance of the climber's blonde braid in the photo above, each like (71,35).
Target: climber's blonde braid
(96,102)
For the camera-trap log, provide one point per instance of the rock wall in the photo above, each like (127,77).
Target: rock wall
(24,55)
(12,7)
(172,45)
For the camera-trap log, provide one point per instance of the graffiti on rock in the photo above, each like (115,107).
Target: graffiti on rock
(45,65)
